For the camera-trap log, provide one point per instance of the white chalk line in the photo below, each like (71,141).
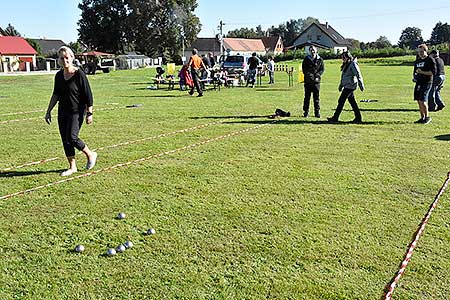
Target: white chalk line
(116,145)
(137,161)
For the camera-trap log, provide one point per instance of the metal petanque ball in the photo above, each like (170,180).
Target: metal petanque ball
(121,216)
(151,231)
(111,252)
(128,244)
(79,248)
(120,248)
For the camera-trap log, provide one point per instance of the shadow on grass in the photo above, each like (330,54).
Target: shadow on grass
(388,109)
(314,122)
(230,117)
(27,173)
(273,89)
(443,137)
(153,96)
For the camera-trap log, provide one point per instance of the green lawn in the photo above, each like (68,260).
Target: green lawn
(295,209)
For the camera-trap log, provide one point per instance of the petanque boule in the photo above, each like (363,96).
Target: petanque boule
(79,248)
(128,244)
(121,216)
(151,231)
(110,252)
(120,248)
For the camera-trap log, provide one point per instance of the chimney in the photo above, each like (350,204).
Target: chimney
(326,25)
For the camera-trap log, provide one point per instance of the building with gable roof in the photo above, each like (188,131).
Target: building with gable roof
(322,36)
(49,48)
(15,52)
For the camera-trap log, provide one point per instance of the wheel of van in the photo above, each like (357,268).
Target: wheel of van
(105,70)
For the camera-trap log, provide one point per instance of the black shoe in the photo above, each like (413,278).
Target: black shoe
(332,120)
(427,120)
(440,108)
(357,121)
(317,115)
(200,95)
(191,93)
(420,121)
(305,114)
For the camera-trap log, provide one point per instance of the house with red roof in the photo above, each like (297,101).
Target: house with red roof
(15,52)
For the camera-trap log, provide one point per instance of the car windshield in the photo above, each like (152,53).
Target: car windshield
(235,59)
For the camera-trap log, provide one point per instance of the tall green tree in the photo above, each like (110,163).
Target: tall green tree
(245,33)
(104,24)
(382,42)
(410,38)
(440,34)
(11,31)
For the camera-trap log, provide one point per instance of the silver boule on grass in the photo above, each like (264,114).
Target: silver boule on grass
(79,249)
(150,231)
(111,252)
(121,216)
(128,244)
(120,248)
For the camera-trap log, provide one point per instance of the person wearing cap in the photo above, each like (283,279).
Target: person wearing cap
(435,102)
(424,68)
(313,68)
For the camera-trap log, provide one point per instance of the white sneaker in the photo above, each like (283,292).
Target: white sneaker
(68,172)
(91,163)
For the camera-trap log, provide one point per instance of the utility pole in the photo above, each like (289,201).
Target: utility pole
(220,27)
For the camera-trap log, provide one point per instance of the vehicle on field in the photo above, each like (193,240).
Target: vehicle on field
(92,61)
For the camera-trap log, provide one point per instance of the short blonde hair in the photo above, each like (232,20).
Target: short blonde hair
(424,47)
(67,50)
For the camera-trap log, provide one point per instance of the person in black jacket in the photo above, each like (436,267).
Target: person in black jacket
(313,69)
(73,93)
(435,102)
(424,68)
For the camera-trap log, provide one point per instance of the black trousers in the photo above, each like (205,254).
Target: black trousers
(314,89)
(196,78)
(69,128)
(347,93)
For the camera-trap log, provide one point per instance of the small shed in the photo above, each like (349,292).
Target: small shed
(132,61)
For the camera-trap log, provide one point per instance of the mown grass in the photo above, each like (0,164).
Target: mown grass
(297,209)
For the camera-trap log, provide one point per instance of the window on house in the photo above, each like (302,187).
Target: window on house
(309,36)
(319,37)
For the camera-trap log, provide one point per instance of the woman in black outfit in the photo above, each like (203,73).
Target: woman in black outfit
(74,95)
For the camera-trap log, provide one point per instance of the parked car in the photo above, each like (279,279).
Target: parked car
(235,63)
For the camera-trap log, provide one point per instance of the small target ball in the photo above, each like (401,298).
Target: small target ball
(79,248)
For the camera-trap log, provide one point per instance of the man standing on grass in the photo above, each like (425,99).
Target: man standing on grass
(313,68)
(253,63)
(196,64)
(435,102)
(424,68)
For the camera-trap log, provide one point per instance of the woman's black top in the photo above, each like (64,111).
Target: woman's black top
(74,94)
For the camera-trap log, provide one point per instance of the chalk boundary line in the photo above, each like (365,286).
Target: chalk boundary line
(116,145)
(137,161)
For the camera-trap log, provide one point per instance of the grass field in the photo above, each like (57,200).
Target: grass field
(294,209)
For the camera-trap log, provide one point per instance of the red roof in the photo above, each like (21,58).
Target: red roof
(15,45)
(237,44)
(96,53)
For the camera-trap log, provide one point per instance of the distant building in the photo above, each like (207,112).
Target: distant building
(2,32)
(273,44)
(49,48)
(233,46)
(15,52)
(322,36)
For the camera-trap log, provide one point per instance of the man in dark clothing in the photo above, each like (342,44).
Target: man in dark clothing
(211,59)
(424,68)
(313,68)
(435,102)
(253,63)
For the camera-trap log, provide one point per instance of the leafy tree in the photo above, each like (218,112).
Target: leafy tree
(382,42)
(76,47)
(355,44)
(11,31)
(103,24)
(35,46)
(410,38)
(291,29)
(440,34)
(245,33)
